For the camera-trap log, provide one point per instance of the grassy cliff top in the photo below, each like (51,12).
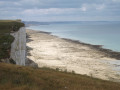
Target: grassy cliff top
(6,27)
(13,77)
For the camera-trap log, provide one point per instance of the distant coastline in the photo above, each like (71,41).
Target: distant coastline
(96,33)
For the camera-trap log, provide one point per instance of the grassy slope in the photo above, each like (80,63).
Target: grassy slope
(14,77)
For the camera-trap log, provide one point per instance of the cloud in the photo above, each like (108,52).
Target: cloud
(84,7)
(60,9)
(17,4)
(1,3)
(116,0)
(53,11)
(100,7)
(93,6)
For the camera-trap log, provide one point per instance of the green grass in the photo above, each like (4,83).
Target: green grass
(5,45)
(6,27)
(14,77)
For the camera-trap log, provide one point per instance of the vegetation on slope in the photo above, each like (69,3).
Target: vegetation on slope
(14,77)
(6,27)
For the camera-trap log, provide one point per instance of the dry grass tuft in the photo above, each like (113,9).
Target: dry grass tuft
(14,77)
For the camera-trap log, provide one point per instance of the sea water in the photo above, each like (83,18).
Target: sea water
(92,32)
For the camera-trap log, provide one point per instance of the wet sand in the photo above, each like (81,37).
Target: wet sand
(47,50)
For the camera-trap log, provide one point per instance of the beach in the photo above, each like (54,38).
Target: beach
(47,50)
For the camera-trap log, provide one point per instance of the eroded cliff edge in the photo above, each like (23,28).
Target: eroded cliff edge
(12,42)
(18,47)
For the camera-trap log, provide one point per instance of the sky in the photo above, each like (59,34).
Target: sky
(60,10)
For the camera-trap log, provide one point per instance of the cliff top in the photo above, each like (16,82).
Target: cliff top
(6,27)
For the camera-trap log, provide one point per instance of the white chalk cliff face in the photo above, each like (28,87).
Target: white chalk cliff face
(18,47)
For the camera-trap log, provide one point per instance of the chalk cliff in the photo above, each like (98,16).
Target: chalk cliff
(18,47)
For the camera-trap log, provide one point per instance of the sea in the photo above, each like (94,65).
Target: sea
(105,33)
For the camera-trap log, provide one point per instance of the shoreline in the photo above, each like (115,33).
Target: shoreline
(51,51)
(109,52)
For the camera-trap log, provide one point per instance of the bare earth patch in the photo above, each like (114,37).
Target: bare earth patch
(51,51)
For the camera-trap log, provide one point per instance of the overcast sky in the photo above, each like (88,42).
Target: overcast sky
(60,10)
